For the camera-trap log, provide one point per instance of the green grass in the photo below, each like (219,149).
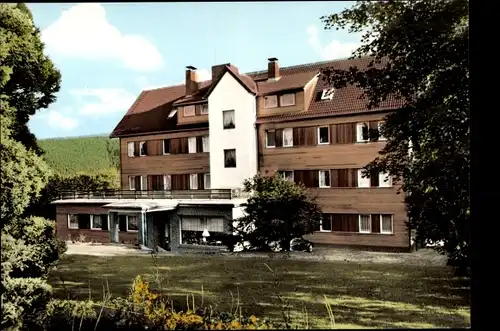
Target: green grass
(70,156)
(361,296)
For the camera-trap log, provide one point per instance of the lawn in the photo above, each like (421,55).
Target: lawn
(360,295)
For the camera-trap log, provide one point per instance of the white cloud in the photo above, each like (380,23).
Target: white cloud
(334,50)
(204,74)
(83,32)
(58,120)
(144,83)
(103,101)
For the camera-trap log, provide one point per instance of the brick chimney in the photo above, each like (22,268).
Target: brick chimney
(217,69)
(191,80)
(273,68)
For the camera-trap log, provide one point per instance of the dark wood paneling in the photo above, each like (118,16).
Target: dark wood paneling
(344,133)
(180,182)
(376,223)
(201,183)
(305,136)
(278,134)
(344,222)
(199,144)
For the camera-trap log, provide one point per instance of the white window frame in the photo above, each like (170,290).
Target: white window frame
(227,112)
(144,188)
(282,97)
(204,106)
(130,149)
(205,181)
(363,182)
(187,108)
(92,222)
(131,183)
(165,181)
(138,221)
(205,144)
(141,144)
(69,222)
(319,137)
(191,145)
(359,132)
(369,223)
(267,140)
(283,137)
(321,225)
(191,186)
(382,176)
(392,225)
(163,146)
(380,137)
(319,179)
(235,160)
(284,172)
(267,105)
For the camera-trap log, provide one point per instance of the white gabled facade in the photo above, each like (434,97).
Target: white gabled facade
(229,94)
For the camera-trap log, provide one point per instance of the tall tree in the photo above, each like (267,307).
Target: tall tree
(419,53)
(29,245)
(27,76)
(278,211)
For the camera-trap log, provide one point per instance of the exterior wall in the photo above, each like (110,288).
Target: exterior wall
(374,200)
(190,119)
(227,95)
(161,164)
(101,236)
(299,106)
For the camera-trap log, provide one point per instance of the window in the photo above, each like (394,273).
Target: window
(193,181)
(288,137)
(204,109)
(287,100)
(144,183)
(131,149)
(192,145)
(189,111)
(328,94)
(323,135)
(206,181)
(166,146)
(379,125)
(99,222)
(167,182)
(326,223)
(271,101)
(365,224)
(143,148)
(362,132)
(131,183)
(172,113)
(229,158)
(363,181)
(72,221)
(385,223)
(205,141)
(270,139)
(228,119)
(132,223)
(324,178)
(192,229)
(286,175)
(384,180)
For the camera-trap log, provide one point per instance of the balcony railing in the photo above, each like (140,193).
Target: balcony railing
(148,194)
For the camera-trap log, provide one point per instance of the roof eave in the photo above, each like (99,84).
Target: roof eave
(212,87)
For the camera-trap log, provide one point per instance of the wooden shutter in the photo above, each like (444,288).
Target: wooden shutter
(175,145)
(184,145)
(299,176)
(333,134)
(137,148)
(343,177)
(197,109)
(376,223)
(137,180)
(150,179)
(297,137)
(334,178)
(374,179)
(313,178)
(345,133)
(201,184)
(352,221)
(180,182)
(352,178)
(199,144)
(310,136)
(278,136)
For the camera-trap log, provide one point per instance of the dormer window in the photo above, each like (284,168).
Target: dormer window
(327,94)
(287,100)
(172,113)
(271,101)
(189,111)
(204,109)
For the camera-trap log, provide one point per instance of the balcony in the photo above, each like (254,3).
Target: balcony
(126,194)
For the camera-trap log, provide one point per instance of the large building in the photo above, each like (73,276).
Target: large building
(185,151)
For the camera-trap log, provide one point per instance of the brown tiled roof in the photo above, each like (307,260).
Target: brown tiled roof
(149,113)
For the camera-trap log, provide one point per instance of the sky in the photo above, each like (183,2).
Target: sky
(108,53)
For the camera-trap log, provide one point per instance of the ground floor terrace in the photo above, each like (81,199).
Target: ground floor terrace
(199,219)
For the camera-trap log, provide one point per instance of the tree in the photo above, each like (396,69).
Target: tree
(419,53)
(278,210)
(27,76)
(29,245)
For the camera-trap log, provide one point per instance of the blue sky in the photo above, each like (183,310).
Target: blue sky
(108,53)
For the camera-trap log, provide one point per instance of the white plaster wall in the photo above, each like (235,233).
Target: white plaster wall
(230,94)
